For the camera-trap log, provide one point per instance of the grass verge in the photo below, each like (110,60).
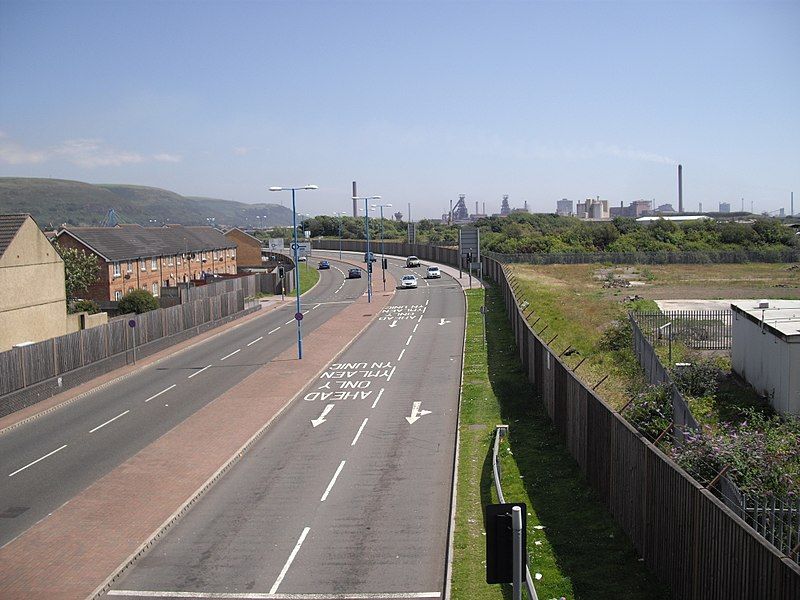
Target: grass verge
(308,277)
(572,540)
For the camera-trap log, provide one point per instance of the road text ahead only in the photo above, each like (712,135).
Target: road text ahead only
(351,381)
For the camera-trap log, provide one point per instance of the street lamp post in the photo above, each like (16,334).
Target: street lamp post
(368,255)
(299,314)
(383,253)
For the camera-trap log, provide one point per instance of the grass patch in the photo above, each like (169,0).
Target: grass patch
(308,277)
(581,553)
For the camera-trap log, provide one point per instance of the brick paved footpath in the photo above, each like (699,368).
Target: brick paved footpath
(71,553)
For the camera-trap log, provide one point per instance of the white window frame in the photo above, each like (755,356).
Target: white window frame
(143,264)
(155,290)
(129,266)
(117,296)
(154,263)
(117,269)
(170,260)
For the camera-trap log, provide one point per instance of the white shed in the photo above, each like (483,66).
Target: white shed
(766,350)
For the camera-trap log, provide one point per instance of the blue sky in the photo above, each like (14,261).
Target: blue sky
(417,101)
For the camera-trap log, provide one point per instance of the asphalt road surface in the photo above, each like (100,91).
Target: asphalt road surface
(348,494)
(47,461)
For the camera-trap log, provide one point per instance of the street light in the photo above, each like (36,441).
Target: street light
(383,254)
(366,200)
(299,314)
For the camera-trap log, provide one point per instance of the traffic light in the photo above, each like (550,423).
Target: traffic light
(385,263)
(281,272)
(369,267)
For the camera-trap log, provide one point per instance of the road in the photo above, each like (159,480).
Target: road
(348,494)
(45,462)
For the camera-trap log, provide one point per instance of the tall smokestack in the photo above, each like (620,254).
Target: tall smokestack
(792,204)
(680,188)
(355,202)
(484,205)
(476,207)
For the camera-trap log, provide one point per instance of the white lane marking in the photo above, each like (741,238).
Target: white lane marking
(289,560)
(262,596)
(231,354)
(426,302)
(408,341)
(401,354)
(198,372)
(330,485)
(288,322)
(37,460)
(420,319)
(358,434)
(122,414)
(415,328)
(317,306)
(161,392)
(389,378)
(374,404)
(274,330)
(258,339)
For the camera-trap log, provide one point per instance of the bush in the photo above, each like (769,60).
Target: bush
(89,306)
(137,301)
(699,379)
(618,337)
(651,410)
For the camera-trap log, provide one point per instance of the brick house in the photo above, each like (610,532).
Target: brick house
(149,258)
(249,248)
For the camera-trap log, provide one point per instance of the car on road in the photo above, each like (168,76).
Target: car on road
(302,258)
(369,257)
(408,281)
(324,264)
(412,261)
(433,273)
(354,274)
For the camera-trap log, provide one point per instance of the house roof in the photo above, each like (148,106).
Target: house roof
(244,233)
(9,226)
(127,242)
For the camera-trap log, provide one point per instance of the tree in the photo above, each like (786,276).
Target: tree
(89,306)
(80,270)
(137,301)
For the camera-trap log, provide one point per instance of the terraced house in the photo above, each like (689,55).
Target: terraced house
(149,258)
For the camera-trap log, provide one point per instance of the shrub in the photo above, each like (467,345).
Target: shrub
(617,337)
(137,301)
(699,379)
(89,306)
(651,410)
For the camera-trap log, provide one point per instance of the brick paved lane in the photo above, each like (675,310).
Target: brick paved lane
(349,493)
(70,552)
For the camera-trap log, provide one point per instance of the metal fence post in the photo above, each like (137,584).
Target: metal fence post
(516,526)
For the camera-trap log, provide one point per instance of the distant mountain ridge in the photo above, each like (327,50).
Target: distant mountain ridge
(55,201)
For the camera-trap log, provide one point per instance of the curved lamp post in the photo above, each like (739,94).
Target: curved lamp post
(366,200)
(383,253)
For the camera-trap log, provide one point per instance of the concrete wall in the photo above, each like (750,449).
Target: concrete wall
(770,364)
(83,320)
(33,303)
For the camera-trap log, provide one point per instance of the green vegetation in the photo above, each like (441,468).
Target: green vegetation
(88,306)
(137,301)
(56,201)
(309,277)
(572,540)
(81,270)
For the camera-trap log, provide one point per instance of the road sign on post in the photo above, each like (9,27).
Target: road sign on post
(132,325)
(500,541)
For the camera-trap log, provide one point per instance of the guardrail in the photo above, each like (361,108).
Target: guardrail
(499,431)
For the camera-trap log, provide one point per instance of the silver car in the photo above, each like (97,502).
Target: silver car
(434,273)
(408,281)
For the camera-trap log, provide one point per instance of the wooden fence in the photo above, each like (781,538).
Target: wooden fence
(685,535)
(771,255)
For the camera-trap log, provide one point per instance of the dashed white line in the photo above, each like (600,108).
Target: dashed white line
(408,341)
(289,560)
(333,480)
(403,351)
(271,596)
(389,378)
(198,372)
(274,330)
(420,319)
(415,328)
(122,414)
(317,306)
(288,322)
(374,404)
(37,460)
(231,354)
(258,339)
(426,302)
(358,434)
(161,392)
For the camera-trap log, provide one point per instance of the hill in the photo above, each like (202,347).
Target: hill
(56,201)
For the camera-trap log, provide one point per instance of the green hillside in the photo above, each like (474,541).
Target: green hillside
(56,201)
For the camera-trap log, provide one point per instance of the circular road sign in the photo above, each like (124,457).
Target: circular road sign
(295,246)
(298,316)
(131,323)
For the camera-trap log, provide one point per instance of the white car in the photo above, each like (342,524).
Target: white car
(408,281)
(434,273)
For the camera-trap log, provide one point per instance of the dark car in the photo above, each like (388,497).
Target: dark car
(354,274)
(324,264)
(369,257)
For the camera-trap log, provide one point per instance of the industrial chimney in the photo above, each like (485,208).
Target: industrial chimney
(680,188)
(355,202)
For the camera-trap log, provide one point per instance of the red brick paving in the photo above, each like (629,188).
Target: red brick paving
(71,553)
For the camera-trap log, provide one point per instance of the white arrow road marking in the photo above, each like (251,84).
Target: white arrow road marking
(393,324)
(416,413)
(321,419)
(442,321)
(37,460)
(289,561)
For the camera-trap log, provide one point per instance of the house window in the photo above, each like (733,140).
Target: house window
(153,263)
(130,289)
(155,289)
(130,266)
(170,261)
(179,259)
(118,295)
(116,269)
(233,253)
(143,264)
